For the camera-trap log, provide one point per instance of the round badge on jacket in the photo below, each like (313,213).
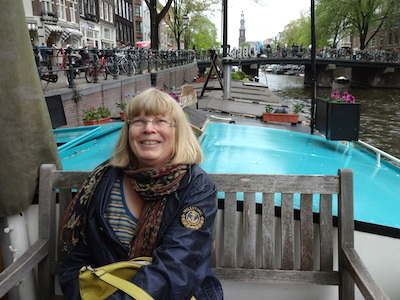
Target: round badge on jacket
(192,217)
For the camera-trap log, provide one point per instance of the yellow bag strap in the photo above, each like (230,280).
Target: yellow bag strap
(124,285)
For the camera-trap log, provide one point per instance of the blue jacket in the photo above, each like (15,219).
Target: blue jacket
(181,261)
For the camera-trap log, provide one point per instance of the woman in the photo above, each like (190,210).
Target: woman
(150,199)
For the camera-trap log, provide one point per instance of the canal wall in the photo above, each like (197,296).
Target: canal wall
(384,77)
(66,104)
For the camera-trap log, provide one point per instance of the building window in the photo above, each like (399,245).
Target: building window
(101,11)
(106,11)
(110,12)
(62,10)
(373,42)
(107,33)
(138,10)
(46,6)
(395,38)
(72,13)
(81,8)
(138,26)
(390,38)
(92,7)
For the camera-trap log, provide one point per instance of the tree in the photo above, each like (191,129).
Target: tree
(363,18)
(27,136)
(180,14)
(155,19)
(202,33)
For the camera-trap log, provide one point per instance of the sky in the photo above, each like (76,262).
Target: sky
(261,21)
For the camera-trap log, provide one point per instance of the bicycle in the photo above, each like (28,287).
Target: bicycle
(95,69)
(117,63)
(78,60)
(46,73)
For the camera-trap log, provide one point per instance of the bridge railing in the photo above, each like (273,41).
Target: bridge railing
(304,52)
(128,61)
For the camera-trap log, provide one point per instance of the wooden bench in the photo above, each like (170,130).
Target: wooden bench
(256,240)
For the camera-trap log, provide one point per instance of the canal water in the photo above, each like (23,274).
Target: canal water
(380,108)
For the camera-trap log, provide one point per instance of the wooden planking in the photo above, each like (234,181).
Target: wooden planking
(356,268)
(23,265)
(305,184)
(277,276)
(287,226)
(326,233)
(229,220)
(268,231)
(306,233)
(230,234)
(249,231)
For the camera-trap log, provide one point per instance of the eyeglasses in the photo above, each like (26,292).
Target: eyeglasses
(158,123)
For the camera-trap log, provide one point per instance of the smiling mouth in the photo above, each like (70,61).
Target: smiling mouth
(150,142)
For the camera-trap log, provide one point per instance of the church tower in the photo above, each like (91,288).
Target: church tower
(242,30)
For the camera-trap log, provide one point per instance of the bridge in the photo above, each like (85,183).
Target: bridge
(361,72)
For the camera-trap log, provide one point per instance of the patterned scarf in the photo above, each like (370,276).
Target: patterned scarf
(152,185)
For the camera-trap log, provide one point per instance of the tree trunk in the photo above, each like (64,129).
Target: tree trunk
(27,138)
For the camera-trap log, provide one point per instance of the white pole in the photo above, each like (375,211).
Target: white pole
(19,243)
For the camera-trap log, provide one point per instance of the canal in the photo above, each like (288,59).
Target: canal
(380,108)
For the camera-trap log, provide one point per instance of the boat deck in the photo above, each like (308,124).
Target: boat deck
(235,140)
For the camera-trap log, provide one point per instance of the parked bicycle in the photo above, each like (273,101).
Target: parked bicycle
(96,68)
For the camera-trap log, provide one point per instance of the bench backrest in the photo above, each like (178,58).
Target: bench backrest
(267,233)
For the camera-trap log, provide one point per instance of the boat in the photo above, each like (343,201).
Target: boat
(279,149)
(245,145)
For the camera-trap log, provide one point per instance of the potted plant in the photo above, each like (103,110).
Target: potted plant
(105,115)
(338,117)
(280,114)
(90,116)
(93,116)
(122,107)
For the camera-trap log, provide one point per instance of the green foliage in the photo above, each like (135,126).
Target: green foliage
(269,108)
(122,106)
(95,114)
(298,108)
(203,33)
(235,75)
(90,114)
(104,111)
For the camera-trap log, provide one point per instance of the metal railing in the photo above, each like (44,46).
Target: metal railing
(129,61)
(378,153)
(303,52)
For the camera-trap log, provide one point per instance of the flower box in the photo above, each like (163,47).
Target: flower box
(96,122)
(287,118)
(338,121)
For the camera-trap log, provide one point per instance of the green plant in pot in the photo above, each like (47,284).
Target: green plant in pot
(104,112)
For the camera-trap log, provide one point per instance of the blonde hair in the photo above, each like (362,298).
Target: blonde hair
(155,102)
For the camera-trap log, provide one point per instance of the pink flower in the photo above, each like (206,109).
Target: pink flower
(335,95)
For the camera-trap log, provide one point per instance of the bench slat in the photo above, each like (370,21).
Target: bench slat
(277,276)
(230,230)
(306,233)
(268,231)
(326,233)
(249,231)
(287,224)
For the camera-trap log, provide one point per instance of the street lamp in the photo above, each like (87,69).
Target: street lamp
(185,23)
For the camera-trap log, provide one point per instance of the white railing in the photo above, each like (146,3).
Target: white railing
(379,153)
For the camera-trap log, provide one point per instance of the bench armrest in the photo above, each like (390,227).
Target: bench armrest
(361,276)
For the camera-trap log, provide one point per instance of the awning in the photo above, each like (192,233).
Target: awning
(32,26)
(143,44)
(67,32)
(48,29)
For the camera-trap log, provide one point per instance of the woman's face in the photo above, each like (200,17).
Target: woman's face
(152,140)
